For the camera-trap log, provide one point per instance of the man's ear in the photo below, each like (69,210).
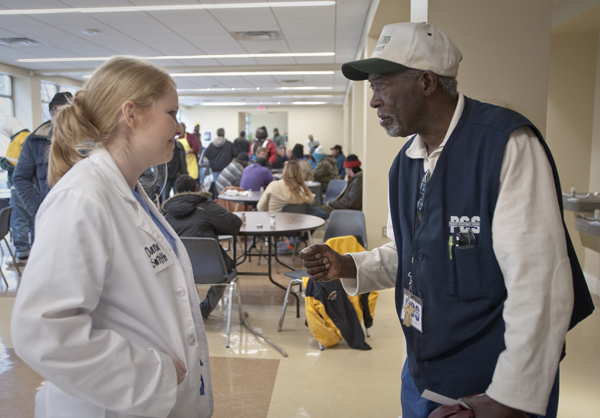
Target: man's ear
(130,114)
(428,82)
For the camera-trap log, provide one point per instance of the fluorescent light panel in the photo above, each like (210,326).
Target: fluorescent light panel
(259,103)
(251,73)
(187,57)
(245,74)
(167,8)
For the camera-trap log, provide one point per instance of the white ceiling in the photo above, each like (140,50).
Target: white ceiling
(335,28)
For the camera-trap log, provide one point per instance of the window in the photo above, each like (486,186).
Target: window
(48,92)
(6,99)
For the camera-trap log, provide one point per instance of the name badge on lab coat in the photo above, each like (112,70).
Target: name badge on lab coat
(158,258)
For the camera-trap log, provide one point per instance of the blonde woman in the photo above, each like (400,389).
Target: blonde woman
(289,190)
(107,310)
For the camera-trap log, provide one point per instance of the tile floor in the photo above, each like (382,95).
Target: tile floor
(251,379)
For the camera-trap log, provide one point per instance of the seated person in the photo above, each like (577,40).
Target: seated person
(326,169)
(280,157)
(192,213)
(351,196)
(232,174)
(289,190)
(305,167)
(256,176)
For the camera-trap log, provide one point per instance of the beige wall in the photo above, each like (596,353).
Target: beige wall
(505,46)
(570,113)
(324,122)
(592,258)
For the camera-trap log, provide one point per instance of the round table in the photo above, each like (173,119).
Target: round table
(257,223)
(242,199)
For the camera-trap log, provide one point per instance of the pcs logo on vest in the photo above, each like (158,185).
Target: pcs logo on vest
(464,223)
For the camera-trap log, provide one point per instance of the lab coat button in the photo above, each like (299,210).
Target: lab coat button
(180,291)
(191,340)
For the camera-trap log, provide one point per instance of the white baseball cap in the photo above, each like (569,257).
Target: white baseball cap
(408,45)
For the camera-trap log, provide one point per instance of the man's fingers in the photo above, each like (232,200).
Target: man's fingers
(315,263)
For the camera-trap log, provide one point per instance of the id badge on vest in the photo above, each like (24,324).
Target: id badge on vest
(412,311)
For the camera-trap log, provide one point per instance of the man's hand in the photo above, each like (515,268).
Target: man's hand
(323,264)
(180,369)
(485,407)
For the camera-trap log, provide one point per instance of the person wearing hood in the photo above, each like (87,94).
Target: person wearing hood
(192,213)
(31,173)
(220,153)
(326,169)
(21,222)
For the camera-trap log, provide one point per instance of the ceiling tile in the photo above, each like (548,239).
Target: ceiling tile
(182,16)
(310,35)
(256,47)
(352,9)
(324,45)
(201,27)
(295,25)
(250,25)
(226,15)
(305,12)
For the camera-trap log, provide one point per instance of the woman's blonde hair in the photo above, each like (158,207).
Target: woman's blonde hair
(292,177)
(94,114)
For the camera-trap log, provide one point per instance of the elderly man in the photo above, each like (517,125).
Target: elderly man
(483,266)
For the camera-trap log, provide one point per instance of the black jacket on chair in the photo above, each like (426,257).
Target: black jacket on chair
(196,215)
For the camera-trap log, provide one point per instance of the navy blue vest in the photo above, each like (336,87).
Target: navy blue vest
(463,297)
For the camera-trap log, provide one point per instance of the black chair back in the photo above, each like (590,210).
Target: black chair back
(296,208)
(346,222)
(4,203)
(207,260)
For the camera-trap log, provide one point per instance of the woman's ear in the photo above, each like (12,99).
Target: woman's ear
(130,116)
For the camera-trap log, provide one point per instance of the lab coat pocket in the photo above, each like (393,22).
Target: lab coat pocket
(470,279)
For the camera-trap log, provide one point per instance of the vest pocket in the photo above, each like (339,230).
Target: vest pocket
(471,281)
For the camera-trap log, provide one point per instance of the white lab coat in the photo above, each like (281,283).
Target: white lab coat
(105,303)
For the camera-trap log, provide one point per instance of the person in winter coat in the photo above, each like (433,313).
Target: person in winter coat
(326,169)
(31,173)
(261,140)
(351,196)
(177,167)
(220,153)
(21,222)
(241,144)
(192,213)
(107,309)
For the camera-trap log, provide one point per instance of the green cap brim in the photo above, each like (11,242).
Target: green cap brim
(360,70)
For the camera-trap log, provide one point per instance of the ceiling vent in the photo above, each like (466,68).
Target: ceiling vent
(291,82)
(19,42)
(262,35)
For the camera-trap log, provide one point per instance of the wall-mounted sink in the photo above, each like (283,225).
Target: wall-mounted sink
(581,202)
(589,230)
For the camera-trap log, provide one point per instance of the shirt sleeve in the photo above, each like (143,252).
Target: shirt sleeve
(530,246)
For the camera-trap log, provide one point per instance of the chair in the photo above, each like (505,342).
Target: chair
(4,229)
(347,222)
(208,267)
(334,189)
(296,208)
(341,223)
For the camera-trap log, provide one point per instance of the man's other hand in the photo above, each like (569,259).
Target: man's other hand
(485,407)
(324,264)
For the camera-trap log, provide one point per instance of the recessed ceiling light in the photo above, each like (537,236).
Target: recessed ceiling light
(187,57)
(166,7)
